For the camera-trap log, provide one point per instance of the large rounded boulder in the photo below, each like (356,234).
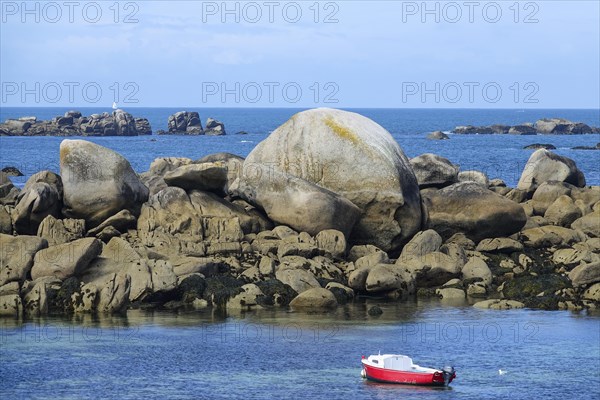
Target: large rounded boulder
(98,182)
(354,157)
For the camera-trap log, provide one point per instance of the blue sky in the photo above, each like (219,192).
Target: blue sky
(503,54)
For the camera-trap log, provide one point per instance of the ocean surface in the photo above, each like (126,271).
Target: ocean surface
(500,156)
(283,355)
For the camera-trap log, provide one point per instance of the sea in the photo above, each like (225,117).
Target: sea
(499,156)
(278,354)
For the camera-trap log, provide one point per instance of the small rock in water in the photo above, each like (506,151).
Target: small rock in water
(596,147)
(375,311)
(438,135)
(12,171)
(536,146)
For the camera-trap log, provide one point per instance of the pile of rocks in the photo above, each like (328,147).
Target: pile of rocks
(119,123)
(326,208)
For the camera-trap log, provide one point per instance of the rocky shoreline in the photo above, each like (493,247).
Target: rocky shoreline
(325,210)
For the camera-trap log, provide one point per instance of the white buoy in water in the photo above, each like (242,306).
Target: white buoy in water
(502,372)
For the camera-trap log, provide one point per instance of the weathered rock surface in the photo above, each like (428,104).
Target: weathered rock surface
(544,166)
(11,305)
(114,295)
(316,298)
(499,245)
(561,126)
(547,193)
(433,269)
(65,260)
(41,196)
(477,212)
(497,304)
(432,170)
(332,242)
(422,243)
(450,293)
(438,135)
(118,257)
(355,158)
(298,279)
(522,130)
(298,203)
(214,127)
(474,176)
(547,236)
(120,222)
(476,268)
(174,222)
(589,224)
(210,176)
(59,231)
(154,177)
(184,122)
(16,256)
(8,191)
(98,182)
(592,293)
(562,212)
(247,300)
(389,277)
(585,274)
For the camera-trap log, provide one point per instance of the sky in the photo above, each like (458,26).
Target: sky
(396,54)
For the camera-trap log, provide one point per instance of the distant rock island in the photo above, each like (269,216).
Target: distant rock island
(188,123)
(117,123)
(545,126)
(73,123)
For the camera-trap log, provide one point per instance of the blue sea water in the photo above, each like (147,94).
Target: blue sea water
(283,355)
(500,156)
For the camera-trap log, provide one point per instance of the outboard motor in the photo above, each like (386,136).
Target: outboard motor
(448,373)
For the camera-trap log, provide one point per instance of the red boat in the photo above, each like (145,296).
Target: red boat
(396,368)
